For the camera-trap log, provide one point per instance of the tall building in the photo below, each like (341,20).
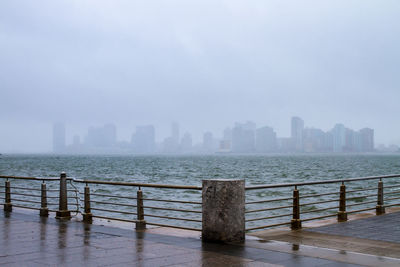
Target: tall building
(339,138)
(266,140)
(144,140)
(58,138)
(367,139)
(101,137)
(187,143)
(171,144)
(297,127)
(175,132)
(208,142)
(243,137)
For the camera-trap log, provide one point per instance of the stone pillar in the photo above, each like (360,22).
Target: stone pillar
(63,212)
(223,211)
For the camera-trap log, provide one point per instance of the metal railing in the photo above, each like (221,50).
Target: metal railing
(267,206)
(320,200)
(92,201)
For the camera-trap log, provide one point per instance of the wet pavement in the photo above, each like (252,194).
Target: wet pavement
(385,227)
(29,240)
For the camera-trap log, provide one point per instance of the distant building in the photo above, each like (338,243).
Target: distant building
(187,143)
(59,143)
(171,144)
(313,140)
(143,140)
(243,137)
(208,142)
(297,127)
(101,137)
(266,140)
(367,140)
(339,138)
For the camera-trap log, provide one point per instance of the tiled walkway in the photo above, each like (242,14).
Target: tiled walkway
(28,240)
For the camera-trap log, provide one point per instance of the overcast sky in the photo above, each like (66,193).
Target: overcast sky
(204,64)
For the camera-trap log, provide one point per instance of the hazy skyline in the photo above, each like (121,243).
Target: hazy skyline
(205,64)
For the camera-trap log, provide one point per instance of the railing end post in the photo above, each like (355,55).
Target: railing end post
(87,215)
(140,223)
(342,214)
(380,208)
(295,223)
(7,202)
(63,212)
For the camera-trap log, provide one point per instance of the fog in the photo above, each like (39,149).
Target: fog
(205,64)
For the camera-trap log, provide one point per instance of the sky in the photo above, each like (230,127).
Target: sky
(205,64)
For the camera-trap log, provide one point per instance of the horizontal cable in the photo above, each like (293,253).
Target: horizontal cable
(319,210)
(360,190)
(366,196)
(269,217)
(319,217)
(319,202)
(22,194)
(160,208)
(393,198)
(115,211)
(104,195)
(321,182)
(173,226)
(361,203)
(173,201)
(172,218)
(267,226)
(269,200)
(139,184)
(113,218)
(25,188)
(391,186)
(391,205)
(275,208)
(115,204)
(354,211)
(26,207)
(319,195)
(391,192)
(24,200)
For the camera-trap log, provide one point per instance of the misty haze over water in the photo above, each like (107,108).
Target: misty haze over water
(205,64)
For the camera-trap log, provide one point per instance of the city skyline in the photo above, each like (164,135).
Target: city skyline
(239,138)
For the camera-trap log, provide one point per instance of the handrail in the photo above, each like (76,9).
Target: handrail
(321,182)
(138,184)
(105,182)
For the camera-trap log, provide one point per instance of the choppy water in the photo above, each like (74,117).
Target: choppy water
(190,170)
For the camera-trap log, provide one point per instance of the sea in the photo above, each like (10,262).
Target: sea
(191,170)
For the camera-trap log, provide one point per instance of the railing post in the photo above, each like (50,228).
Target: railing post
(87,216)
(296,222)
(380,208)
(7,203)
(342,214)
(141,223)
(63,212)
(44,211)
(223,211)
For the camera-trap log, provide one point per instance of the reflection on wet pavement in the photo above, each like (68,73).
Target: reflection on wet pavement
(29,240)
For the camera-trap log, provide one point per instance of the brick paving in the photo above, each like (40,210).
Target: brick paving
(29,240)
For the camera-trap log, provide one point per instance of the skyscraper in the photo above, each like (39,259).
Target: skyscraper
(58,138)
(266,140)
(143,140)
(297,133)
(243,137)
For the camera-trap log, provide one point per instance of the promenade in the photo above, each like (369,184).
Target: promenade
(29,240)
